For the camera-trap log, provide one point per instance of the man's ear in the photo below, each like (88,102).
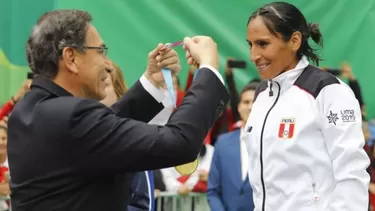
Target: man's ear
(68,57)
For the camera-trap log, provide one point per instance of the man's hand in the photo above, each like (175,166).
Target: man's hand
(347,71)
(183,190)
(161,58)
(203,176)
(156,193)
(201,50)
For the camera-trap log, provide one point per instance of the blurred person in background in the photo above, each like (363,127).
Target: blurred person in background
(158,182)
(7,108)
(4,169)
(228,182)
(226,121)
(179,92)
(195,182)
(370,149)
(4,122)
(235,117)
(230,119)
(304,134)
(115,85)
(346,72)
(66,146)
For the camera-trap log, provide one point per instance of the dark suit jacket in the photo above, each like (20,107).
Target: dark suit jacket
(226,189)
(68,153)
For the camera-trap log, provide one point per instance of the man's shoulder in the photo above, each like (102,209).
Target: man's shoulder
(67,104)
(49,109)
(63,104)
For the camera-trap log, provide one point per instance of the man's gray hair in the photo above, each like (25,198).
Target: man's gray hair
(53,32)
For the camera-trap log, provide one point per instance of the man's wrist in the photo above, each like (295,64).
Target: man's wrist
(149,78)
(215,65)
(155,92)
(214,70)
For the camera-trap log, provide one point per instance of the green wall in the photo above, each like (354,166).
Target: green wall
(16,20)
(132,28)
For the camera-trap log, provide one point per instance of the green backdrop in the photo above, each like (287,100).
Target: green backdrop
(131,28)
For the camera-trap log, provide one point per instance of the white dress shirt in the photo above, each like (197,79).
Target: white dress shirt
(159,94)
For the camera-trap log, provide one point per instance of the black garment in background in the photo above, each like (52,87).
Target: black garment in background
(158,180)
(69,153)
(159,184)
(234,96)
(354,85)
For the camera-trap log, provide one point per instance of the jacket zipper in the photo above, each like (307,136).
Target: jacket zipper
(261,142)
(316,195)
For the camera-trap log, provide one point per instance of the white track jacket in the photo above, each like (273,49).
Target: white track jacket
(305,144)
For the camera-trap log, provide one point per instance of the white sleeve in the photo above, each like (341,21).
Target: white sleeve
(342,130)
(163,116)
(170,179)
(162,95)
(158,94)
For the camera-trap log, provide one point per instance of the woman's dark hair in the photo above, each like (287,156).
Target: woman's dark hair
(285,19)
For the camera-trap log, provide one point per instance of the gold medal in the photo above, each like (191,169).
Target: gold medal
(187,168)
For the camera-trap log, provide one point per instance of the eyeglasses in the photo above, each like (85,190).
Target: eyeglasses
(102,49)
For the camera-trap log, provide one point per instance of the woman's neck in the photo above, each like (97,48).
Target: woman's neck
(291,66)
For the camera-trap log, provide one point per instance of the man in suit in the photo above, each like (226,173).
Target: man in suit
(67,151)
(228,184)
